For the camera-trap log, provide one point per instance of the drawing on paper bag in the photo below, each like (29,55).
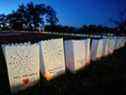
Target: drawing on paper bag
(52,58)
(23,65)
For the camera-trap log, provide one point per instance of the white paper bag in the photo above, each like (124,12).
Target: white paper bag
(75,54)
(94,45)
(107,47)
(88,52)
(100,48)
(122,44)
(111,44)
(104,46)
(118,44)
(23,65)
(52,58)
(69,55)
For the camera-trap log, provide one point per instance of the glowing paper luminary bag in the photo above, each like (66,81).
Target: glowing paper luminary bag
(119,42)
(116,43)
(87,50)
(94,45)
(106,47)
(122,43)
(75,54)
(69,56)
(111,44)
(23,65)
(52,58)
(100,48)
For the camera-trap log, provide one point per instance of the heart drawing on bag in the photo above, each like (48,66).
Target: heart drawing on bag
(25,81)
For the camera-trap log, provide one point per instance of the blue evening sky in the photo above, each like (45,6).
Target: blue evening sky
(76,12)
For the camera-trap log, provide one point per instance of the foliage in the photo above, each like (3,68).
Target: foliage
(84,29)
(29,17)
(120,23)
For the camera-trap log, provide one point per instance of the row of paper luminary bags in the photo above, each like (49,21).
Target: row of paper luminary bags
(52,57)
(76,53)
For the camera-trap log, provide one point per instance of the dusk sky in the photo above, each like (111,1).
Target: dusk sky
(76,12)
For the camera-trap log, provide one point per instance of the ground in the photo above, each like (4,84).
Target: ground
(102,77)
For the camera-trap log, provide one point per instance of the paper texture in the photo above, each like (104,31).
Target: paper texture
(111,45)
(104,46)
(94,45)
(75,54)
(107,47)
(23,65)
(100,48)
(69,55)
(87,50)
(52,55)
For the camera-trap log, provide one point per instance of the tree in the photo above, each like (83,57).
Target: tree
(37,14)
(18,19)
(51,16)
(29,17)
(3,23)
(120,23)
